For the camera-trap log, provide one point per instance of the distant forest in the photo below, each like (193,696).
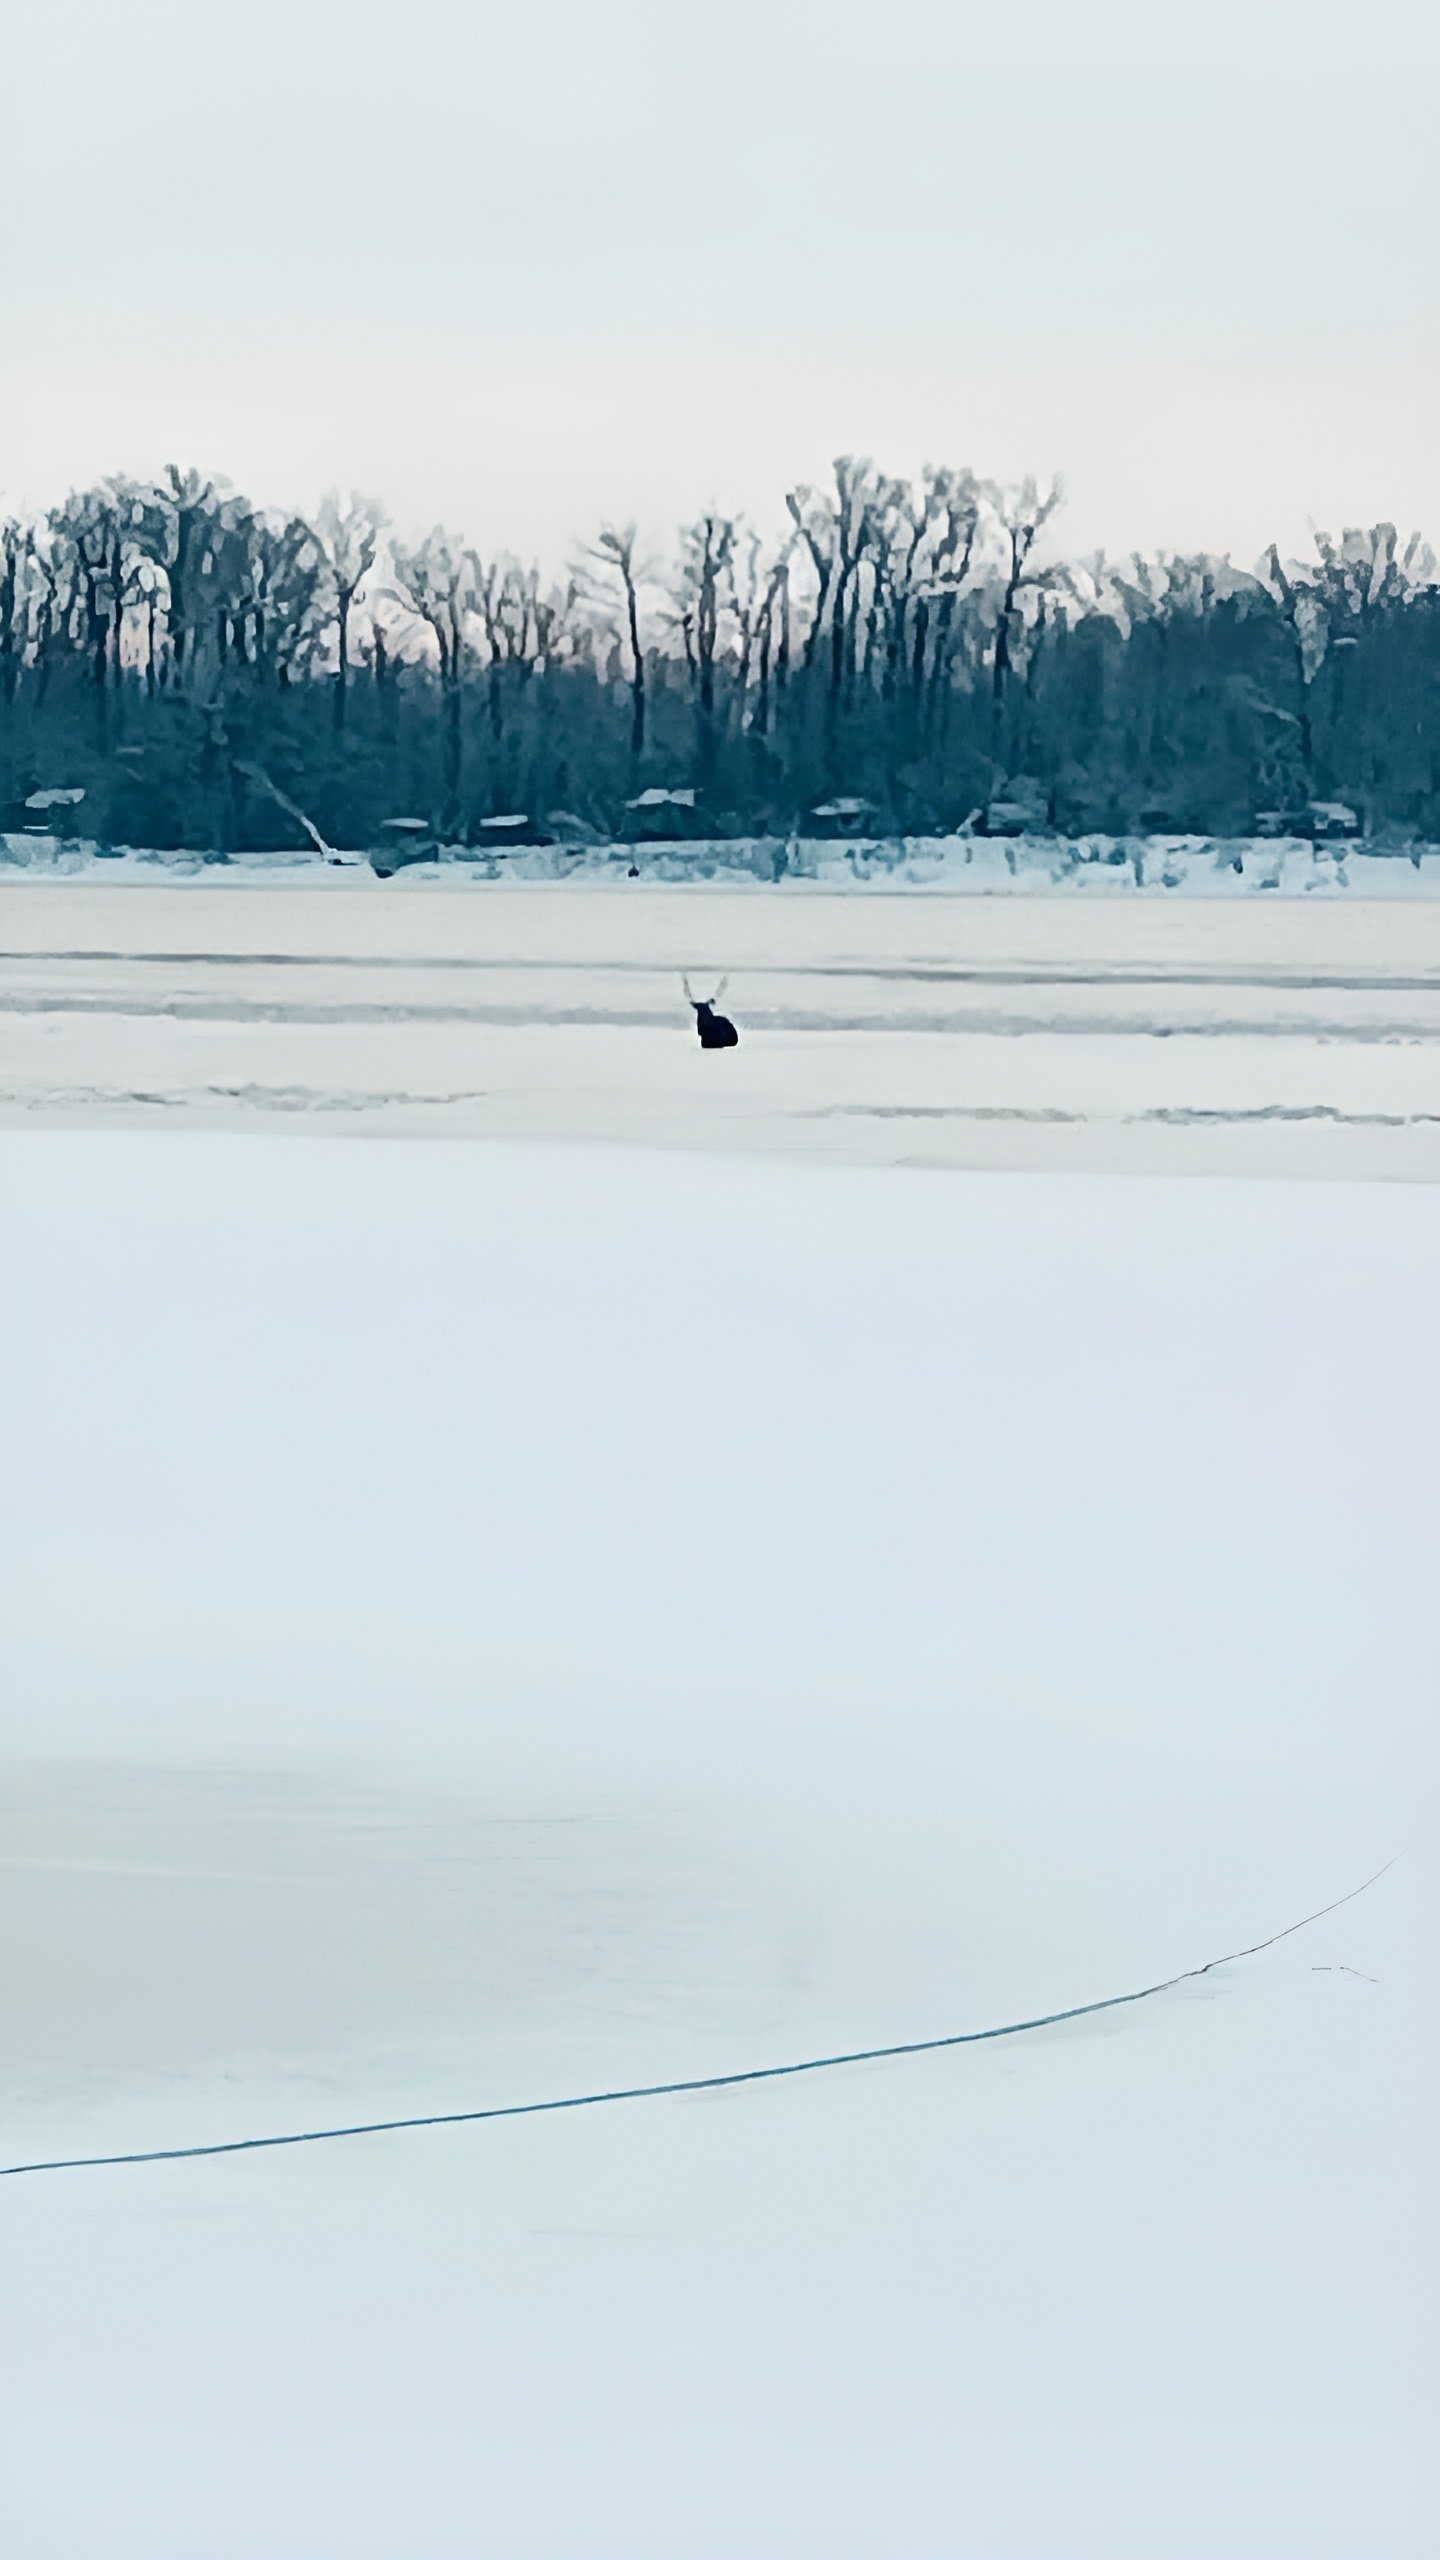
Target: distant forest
(906,658)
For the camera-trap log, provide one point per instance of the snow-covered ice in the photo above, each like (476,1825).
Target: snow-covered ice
(1106,1034)
(480,1622)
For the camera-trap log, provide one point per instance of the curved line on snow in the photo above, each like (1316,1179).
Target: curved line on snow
(713,2080)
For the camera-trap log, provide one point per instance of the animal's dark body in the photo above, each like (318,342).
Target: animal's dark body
(715,1030)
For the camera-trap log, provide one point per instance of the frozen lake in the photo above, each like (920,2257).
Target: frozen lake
(1085,1033)
(482,1622)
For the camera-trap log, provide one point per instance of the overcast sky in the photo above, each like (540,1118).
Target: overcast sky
(521,264)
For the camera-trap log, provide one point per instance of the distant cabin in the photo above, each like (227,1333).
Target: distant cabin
(843,816)
(511,827)
(659,816)
(406,840)
(1318,822)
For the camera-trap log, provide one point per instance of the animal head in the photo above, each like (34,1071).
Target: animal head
(703,1004)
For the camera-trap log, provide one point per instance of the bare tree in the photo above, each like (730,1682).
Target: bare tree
(707,551)
(278,595)
(1365,572)
(772,637)
(349,538)
(435,582)
(954,510)
(111,537)
(17,544)
(743,589)
(1296,592)
(1364,582)
(849,541)
(520,626)
(813,518)
(1022,515)
(613,555)
(51,583)
(190,504)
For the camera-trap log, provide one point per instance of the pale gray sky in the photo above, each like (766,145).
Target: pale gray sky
(519,264)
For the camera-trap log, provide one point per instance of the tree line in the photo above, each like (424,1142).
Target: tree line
(903,657)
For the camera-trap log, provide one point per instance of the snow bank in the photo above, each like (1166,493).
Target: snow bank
(961,866)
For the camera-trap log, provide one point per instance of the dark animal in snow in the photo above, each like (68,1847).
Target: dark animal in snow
(715,1030)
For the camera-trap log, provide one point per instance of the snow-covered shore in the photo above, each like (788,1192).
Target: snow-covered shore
(1170,867)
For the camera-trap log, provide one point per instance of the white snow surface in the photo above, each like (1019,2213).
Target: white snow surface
(480,1623)
(1264,1037)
